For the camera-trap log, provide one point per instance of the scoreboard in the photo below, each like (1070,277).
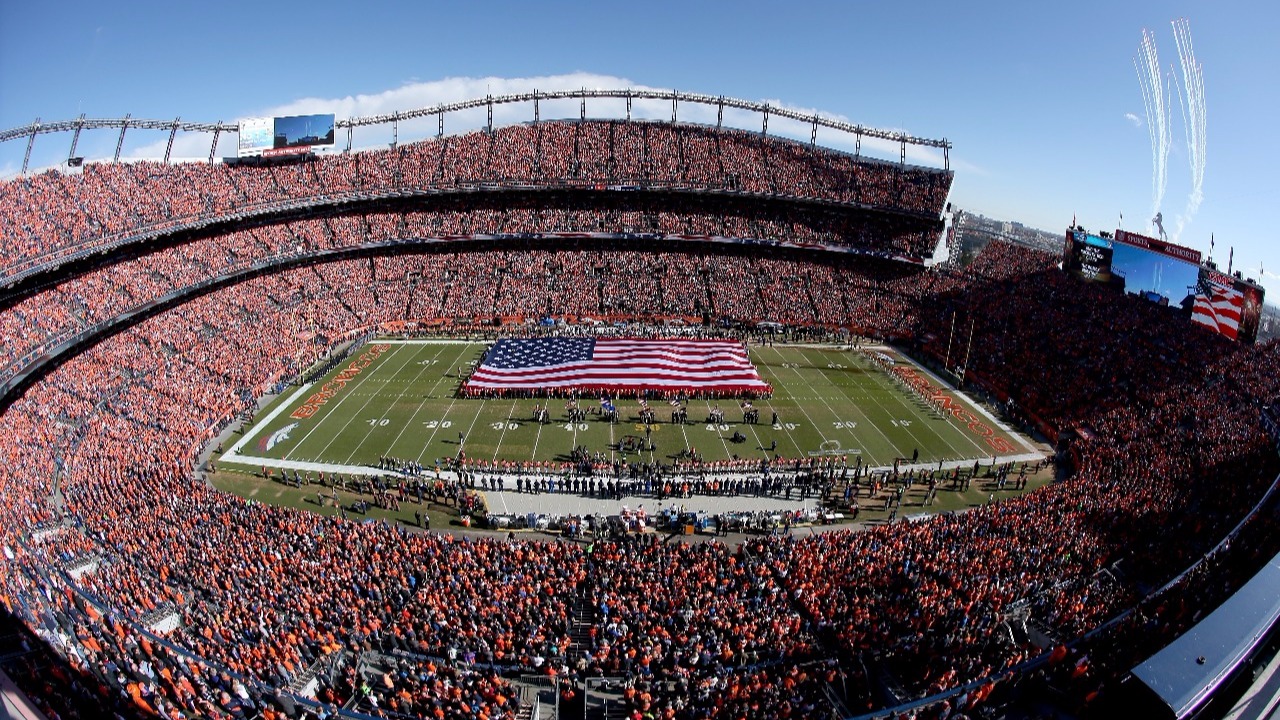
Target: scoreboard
(1088,257)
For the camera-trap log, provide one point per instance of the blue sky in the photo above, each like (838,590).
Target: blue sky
(1034,96)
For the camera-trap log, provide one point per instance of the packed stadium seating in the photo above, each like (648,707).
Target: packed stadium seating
(107,535)
(532,283)
(52,215)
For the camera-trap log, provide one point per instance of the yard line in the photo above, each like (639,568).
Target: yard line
(498,448)
(425,364)
(882,380)
(897,393)
(453,401)
(686,436)
(536,438)
(332,408)
(728,454)
(612,443)
(782,426)
(352,417)
(759,443)
(852,404)
(947,417)
(815,425)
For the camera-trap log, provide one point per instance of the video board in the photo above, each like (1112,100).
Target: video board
(285,135)
(1169,275)
(1088,257)
(1157,270)
(256,135)
(1229,306)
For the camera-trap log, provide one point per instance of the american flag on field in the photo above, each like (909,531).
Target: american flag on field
(617,366)
(1218,306)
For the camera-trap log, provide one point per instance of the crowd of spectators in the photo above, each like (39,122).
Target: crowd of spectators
(53,214)
(457,284)
(98,479)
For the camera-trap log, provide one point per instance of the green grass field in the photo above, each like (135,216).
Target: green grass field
(402,403)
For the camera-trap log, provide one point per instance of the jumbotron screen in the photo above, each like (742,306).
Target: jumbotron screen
(285,135)
(1169,275)
(1088,257)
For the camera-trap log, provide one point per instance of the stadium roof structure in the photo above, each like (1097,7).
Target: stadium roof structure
(720,102)
(1186,673)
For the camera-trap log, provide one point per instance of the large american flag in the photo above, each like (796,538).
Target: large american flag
(623,365)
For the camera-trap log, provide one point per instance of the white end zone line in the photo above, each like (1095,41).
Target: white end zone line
(262,424)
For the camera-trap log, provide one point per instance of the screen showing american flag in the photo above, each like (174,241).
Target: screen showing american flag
(617,365)
(1218,307)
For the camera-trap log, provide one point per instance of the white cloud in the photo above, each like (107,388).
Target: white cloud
(1137,121)
(415,95)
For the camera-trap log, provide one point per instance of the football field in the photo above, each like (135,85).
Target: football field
(399,399)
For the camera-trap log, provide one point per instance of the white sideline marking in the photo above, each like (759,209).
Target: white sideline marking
(262,424)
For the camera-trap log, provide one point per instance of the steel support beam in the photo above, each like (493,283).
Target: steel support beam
(168,149)
(213,149)
(582,95)
(75,139)
(124,127)
(35,126)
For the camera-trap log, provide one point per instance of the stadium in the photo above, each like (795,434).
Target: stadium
(262,459)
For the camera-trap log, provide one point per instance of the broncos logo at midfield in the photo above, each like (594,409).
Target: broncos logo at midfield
(277,437)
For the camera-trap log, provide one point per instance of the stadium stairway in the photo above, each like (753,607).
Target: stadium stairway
(583,619)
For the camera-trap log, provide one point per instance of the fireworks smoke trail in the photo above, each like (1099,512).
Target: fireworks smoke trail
(1195,120)
(1147,64)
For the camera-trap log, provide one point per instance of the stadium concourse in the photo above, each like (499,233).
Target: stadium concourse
(156,595)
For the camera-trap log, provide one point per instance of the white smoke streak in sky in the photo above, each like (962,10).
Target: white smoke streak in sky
(1147,64)
(1194,118)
